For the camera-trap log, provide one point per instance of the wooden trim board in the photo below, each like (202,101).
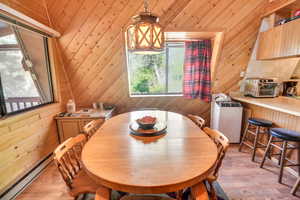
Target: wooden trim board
(6,10)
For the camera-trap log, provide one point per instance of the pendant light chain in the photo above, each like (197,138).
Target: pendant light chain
(146,6)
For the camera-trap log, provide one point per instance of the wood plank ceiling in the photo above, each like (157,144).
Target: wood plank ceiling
(32,8)
(92,43)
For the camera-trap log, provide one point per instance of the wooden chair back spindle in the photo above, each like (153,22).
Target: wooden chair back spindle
(222,143)
(67,158)
(91,127)
(199,121)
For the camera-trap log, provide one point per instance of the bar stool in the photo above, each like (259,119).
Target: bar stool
(283,136)
(258,124)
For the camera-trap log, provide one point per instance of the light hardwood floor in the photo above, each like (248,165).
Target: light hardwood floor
(240,178)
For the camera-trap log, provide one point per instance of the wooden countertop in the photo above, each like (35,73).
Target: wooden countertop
(282,104)
(94,114)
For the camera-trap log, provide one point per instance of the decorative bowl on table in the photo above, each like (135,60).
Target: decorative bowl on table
(146,122)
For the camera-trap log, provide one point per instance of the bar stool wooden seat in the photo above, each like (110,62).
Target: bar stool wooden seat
(281,135)
(258,125)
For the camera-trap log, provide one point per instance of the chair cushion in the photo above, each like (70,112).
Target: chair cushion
(260,122)
(285,134)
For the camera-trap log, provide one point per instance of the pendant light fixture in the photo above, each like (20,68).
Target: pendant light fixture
(145,35)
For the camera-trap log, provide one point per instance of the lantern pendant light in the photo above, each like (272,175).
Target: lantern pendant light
(145,35)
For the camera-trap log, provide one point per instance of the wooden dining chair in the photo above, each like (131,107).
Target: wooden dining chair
(198,192)
(222,143)
(67,159)
(199,121)
(90,128)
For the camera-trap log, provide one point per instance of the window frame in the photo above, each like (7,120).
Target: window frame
(179,35)
(49,69)
(165,93)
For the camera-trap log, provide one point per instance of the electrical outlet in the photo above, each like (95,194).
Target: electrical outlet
(242,74)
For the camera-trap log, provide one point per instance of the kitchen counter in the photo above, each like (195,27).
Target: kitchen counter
(287,105)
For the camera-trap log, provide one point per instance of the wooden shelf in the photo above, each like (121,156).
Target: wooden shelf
(289,10)
(282,7)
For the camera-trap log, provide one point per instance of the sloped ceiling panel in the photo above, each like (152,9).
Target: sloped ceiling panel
(35,9)
(93,45)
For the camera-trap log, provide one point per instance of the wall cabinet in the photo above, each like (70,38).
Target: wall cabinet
(73,125)
(279,42)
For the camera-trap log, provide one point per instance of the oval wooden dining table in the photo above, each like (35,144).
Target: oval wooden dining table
(182,157)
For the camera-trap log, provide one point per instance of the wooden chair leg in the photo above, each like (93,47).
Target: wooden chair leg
(213,194)
(296,186)
(266,152)
(255,142)
(179,195)
(102,193)
(244,137)
(199,192)
(282,161)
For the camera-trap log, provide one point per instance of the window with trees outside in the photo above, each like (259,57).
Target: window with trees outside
(25,79)
(157,74)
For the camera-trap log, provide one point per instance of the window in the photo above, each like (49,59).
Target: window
(25,80)
(157,74)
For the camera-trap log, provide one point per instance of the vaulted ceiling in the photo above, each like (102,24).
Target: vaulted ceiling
(92,45)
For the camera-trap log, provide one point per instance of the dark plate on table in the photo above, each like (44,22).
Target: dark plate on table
(158,129)
(144,125)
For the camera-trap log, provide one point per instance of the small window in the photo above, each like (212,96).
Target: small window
(157,74)
(25,80)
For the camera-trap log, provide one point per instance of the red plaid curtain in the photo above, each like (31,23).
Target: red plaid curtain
(197,79)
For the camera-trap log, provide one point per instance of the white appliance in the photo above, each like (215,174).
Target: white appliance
(226,117)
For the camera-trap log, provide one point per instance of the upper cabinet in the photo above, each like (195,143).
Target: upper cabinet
(279,42)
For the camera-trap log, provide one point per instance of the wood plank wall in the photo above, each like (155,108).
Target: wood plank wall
(25,139)
(93,45)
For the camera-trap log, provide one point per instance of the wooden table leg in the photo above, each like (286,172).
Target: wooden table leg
(199,192)
(103,193)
